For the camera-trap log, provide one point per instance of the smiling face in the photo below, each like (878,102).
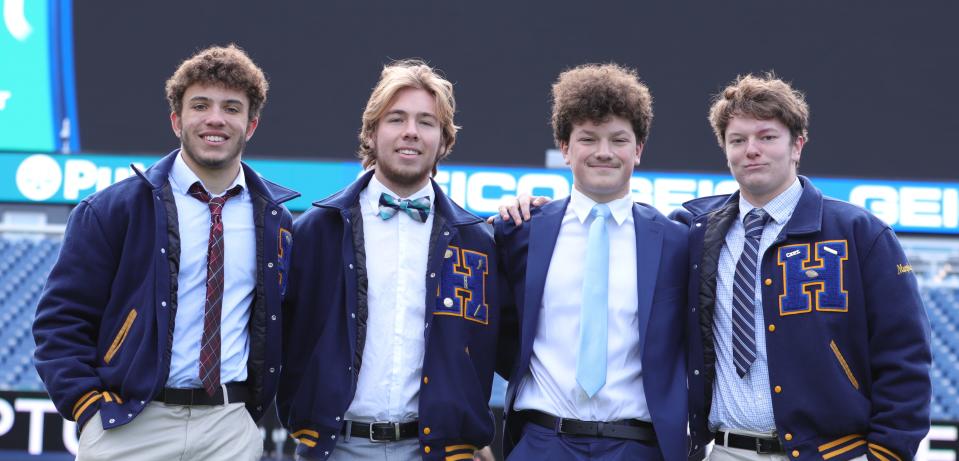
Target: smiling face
(602,157)
(407,141)
(762,156)
(213,127)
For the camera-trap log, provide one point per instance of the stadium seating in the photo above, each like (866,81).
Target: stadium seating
(25,263)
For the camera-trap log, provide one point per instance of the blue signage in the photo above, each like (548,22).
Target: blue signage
(908,206)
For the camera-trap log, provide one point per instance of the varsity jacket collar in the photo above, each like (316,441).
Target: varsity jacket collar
(159,173)
(806,218)
(443,206)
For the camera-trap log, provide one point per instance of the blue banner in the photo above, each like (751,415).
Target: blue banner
(908,206)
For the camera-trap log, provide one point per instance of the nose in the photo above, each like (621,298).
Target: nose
(410,130)
(752,147)
(605,150)
(215,117)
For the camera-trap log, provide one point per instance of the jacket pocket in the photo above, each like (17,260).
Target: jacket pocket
(844,364)
(120,336)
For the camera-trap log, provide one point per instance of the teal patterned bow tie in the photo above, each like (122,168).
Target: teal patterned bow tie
(418,209)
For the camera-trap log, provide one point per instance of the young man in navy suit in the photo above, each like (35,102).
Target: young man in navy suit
(593,340)
(392,317)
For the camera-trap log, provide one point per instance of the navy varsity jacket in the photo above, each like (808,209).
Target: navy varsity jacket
(105,319)
(847,337)
(325,313)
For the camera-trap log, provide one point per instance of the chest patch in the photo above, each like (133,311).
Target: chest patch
(461,291)
(813,276)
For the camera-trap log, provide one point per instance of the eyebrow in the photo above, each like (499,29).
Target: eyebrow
(207,99)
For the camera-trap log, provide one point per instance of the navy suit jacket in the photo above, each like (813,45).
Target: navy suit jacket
(661,256)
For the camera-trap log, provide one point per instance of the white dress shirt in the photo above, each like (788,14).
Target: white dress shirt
(745,403)
(388,386)
(551,385)
(239,280)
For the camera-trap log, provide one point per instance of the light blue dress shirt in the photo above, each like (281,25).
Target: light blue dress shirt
(745,403)
(239,280)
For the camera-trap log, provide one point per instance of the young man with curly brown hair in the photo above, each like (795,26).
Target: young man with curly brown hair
(158,331)
(592,340)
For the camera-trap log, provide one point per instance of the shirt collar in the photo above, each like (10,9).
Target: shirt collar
(621,208)
(375,188)
(780,208)
(182,177)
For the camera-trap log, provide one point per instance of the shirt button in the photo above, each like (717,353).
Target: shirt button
(352,315)
(272,369)
(448,254)
(163,303)
(350,368)
(768,282)
(446,233)
(163,250)
(270,265)
(448,302)
(693,309)
(778,389)
(351,265)
(273,317)
(337,418)
(699,224)
(772,328)
(333,437)
(432,275)
(696,372)
(695,266)
(273,212)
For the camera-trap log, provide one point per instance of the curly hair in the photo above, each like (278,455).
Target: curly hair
(594,92)
(408,73)
(764,97)
(229,67)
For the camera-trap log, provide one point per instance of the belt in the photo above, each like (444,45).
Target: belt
(227,393)
(761,445)
(629,429)
(382,431)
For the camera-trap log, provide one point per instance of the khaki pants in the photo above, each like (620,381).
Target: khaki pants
(175,432)
(721,453)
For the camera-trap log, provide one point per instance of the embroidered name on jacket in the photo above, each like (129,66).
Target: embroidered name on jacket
(462,288)
(813,278)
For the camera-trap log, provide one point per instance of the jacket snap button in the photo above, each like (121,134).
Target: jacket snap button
(274,212)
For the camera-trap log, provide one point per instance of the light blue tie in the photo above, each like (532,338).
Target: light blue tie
(591,362)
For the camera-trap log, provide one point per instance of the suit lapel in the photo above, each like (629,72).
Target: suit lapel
(543,231)
(649,245)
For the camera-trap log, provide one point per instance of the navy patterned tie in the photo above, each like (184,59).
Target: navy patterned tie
(744,293)
(210,342)
(418,209)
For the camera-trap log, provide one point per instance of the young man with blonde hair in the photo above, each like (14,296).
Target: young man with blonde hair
(156,331)
(391,320)
(594,354)
(809,340)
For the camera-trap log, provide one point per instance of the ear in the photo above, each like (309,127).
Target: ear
(797,146)
(175,123)
(251,127)
(639,154)
(564,148)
